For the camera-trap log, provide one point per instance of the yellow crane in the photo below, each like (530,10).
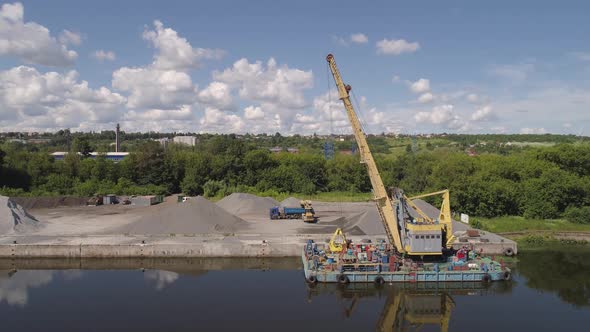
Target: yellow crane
(417,237)
(444,218)
(403,310)
(382,200)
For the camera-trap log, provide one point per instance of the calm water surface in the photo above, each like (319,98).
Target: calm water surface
(550,291)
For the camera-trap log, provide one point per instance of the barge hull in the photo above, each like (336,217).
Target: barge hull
(403,276)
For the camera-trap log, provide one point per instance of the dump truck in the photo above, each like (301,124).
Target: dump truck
(280,212)
(304,211)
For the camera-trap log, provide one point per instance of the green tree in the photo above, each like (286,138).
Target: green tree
(549,195)
(39,167)
(150,165)
(578,215)
(59,183)
(211,188)
(81,145)
(256,162)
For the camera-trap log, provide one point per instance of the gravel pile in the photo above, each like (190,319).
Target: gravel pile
(369,222)
(14,218)
(428,209)
(247,204)
(291,202)
(30,203)
(195,216)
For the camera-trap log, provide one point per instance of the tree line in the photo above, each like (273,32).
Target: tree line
(543,182)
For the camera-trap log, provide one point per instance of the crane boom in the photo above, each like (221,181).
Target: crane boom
(384,204)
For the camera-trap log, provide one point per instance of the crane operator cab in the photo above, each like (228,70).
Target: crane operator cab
(424,242)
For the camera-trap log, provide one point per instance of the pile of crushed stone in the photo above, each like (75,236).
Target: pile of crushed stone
(247,204)
(195,216)
(31,203)
(426,207)
(15,219)
(367,220)
(291,202)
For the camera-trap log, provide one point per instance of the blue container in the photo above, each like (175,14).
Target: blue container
(385,259)
(289,211)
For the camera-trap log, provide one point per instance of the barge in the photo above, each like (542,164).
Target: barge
(377,263)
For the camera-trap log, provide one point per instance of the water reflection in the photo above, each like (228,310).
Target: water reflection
(15,285)
(161,278)
(407,306)
(564,272)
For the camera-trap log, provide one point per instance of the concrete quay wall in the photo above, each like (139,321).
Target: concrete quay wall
(179,246)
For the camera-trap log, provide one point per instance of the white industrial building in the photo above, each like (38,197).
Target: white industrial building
(188,140)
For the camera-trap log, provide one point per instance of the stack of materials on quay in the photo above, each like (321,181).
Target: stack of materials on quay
(195,216)
(14,219)
(247,204)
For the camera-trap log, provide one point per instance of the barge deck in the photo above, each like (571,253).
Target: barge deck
(374,264)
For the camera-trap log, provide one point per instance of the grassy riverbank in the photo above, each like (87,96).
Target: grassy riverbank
(332,196)
(537,242)
(519,224)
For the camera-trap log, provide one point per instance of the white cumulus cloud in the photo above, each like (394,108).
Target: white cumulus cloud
(359,38)
(102,55)
(420,86)
(442,115)
(279,86)
(396,46)
(483,114)
(218,121)
(253,113)
(175,52)
(154,88)
(69,37)
(32,42)
(426,98)
(32,100)
(217,94)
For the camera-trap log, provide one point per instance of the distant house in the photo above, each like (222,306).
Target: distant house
(39,140)
(276,149)
(188,140)
(112,156)
(163,141)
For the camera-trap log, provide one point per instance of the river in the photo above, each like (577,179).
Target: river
(550,291)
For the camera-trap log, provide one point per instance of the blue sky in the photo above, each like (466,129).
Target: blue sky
(415,66)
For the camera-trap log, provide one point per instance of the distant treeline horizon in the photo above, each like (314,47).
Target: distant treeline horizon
(487,180)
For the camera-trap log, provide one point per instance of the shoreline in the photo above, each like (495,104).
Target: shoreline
(180,246)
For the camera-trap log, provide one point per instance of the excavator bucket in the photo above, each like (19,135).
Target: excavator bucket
(338,241)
